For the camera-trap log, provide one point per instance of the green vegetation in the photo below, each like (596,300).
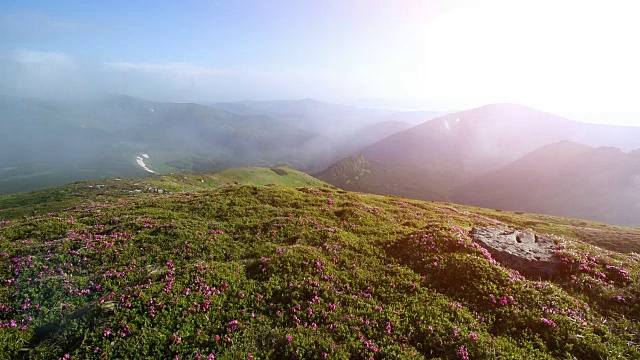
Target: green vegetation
(305,272)
(122,189)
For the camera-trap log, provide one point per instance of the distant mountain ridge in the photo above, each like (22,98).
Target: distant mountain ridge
(448,158)
(494,135)
(566,179)
(46,143)
(442,159)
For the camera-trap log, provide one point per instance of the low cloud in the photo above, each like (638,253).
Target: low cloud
(60,76)
(45,74)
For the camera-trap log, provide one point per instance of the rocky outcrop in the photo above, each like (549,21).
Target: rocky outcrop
(527,252)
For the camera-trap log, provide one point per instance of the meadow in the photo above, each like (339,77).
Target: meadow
(284,271)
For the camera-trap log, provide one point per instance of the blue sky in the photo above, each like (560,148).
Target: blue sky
(322,41)
(572,57)
(262,34)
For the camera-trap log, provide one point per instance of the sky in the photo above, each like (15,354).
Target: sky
(575,58)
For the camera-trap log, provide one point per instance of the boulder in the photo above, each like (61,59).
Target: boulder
(524,251)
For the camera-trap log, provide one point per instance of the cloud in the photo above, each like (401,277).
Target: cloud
(167,68)
(50,59)
(57,75)
(44,74)
(185,81)
(229,82)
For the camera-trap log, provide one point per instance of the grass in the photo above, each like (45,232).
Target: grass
(122,189)
(305,272)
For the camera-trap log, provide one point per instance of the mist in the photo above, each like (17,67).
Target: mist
(59,76)
(427,95)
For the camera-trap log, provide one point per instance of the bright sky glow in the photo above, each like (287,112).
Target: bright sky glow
(575,58)
(560,55)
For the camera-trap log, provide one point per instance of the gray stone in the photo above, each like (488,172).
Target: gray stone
(524,251)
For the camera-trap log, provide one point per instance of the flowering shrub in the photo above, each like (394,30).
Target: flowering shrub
(272,273)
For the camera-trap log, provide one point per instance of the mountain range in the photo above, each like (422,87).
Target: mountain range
(486,156)
(504,156)
(566,179)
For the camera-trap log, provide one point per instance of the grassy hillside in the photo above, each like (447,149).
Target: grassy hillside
(49,143)
(273,272)
(40,202)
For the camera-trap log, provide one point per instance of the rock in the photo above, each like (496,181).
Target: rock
(524,251)
(278,171)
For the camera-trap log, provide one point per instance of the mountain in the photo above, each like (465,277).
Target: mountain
(565,179)
(48,143)
(319,116)
(376,132)
(492,136)
(432,160)
(356,173)
(340,129)
(302,271)
(349,173)
(414,117)
(354,141)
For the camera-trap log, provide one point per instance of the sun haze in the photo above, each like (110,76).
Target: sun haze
(576,58)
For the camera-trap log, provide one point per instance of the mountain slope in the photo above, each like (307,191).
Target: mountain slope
(356,173)
(123,189)
(492,136)
(49,143)
(318,115)
(414,117)
(565,179)
(281,272)
(437,158)
(378,131)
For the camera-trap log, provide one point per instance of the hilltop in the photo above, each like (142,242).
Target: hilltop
(123,189)
(309,272)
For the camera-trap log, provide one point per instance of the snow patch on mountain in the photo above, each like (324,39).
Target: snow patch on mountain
(140,161)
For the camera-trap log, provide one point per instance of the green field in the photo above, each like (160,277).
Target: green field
(119,189)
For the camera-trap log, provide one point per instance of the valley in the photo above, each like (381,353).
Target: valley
(484,156)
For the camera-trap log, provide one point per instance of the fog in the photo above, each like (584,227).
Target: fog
(59,76)
(88,87)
